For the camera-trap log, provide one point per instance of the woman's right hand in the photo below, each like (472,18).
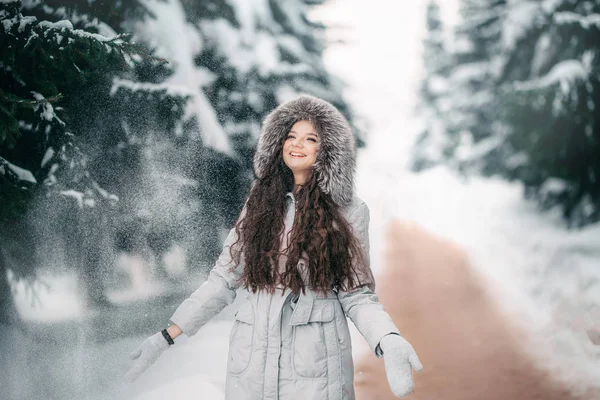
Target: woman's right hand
(145,355)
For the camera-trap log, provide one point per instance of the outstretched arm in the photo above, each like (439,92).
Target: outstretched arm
(218,291)
(362,306)
(203,304)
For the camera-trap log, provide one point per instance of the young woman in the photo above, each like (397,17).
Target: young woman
(301,250)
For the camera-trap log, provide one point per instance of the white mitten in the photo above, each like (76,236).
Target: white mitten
(399,357)
(145,355)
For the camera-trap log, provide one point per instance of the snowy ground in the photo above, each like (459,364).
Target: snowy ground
(78,359)
(196,366)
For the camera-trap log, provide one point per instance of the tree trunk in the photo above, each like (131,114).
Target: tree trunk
(88,247)
(8,311)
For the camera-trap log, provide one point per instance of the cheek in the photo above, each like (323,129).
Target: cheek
(315,151)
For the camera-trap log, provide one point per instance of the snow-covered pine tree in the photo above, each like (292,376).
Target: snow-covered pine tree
(430,147)
(260,54)
(472,114)
(54,80)
(465,123)
(550,105)
(523,88)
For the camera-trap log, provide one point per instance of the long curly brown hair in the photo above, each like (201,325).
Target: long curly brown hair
(333,255)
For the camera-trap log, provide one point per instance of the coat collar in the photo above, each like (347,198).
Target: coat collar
(289,198)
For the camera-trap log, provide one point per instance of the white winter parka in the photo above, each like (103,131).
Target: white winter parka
(286,347)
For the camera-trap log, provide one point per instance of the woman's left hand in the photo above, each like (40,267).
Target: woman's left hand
(399,357)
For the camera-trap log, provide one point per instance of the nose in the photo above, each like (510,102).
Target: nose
(297,142)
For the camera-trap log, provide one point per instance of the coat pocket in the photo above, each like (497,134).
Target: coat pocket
(309,355)
(241,341)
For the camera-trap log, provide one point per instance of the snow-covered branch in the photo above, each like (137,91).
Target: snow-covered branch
(21,173)
(566,73)
(585,21)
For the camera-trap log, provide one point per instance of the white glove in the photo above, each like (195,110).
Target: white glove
(399,357)
(145,355)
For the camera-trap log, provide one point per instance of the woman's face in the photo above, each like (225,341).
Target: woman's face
(300,147)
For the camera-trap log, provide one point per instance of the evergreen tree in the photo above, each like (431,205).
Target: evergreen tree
(471,120)
(55,79)
(523,86)
(430,148)
(260,54)
(173,187)
(550,97)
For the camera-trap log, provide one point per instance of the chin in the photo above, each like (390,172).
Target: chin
(297,167)
(297,164)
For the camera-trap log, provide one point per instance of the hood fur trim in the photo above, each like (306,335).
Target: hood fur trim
(336,158)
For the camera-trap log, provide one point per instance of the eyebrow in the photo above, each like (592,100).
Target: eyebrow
(310,133)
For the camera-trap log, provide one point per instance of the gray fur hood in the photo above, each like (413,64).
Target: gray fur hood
(336,159)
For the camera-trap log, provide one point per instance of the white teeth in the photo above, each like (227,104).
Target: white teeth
(296,154)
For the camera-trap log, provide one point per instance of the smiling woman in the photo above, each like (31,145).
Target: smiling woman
(301,250)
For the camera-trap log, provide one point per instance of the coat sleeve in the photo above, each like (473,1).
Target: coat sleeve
(361,304)
(218,291)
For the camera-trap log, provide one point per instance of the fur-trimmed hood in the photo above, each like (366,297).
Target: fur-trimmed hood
(336,159)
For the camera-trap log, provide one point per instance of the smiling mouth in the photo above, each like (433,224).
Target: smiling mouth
(297,155)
